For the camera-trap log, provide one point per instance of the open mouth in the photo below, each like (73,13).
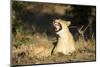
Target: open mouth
(57,26)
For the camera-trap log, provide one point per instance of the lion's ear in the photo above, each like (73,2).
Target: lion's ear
(68,23)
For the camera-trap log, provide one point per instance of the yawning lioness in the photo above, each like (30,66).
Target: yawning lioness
(66,43)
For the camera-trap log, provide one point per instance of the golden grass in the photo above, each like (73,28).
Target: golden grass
(23,54)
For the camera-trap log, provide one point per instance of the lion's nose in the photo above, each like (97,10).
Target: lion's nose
(57,20)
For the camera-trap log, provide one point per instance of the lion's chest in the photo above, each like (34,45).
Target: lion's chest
(65,42)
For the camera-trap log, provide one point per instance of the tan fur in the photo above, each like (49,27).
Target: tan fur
(66,43)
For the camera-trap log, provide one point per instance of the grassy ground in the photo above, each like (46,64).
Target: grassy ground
(20,51)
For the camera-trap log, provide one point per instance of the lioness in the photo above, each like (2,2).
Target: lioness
(66,43)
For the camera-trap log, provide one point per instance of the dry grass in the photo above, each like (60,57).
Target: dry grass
(22,54)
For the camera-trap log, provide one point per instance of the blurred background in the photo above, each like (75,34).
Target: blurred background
(32,25)
(28,17)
